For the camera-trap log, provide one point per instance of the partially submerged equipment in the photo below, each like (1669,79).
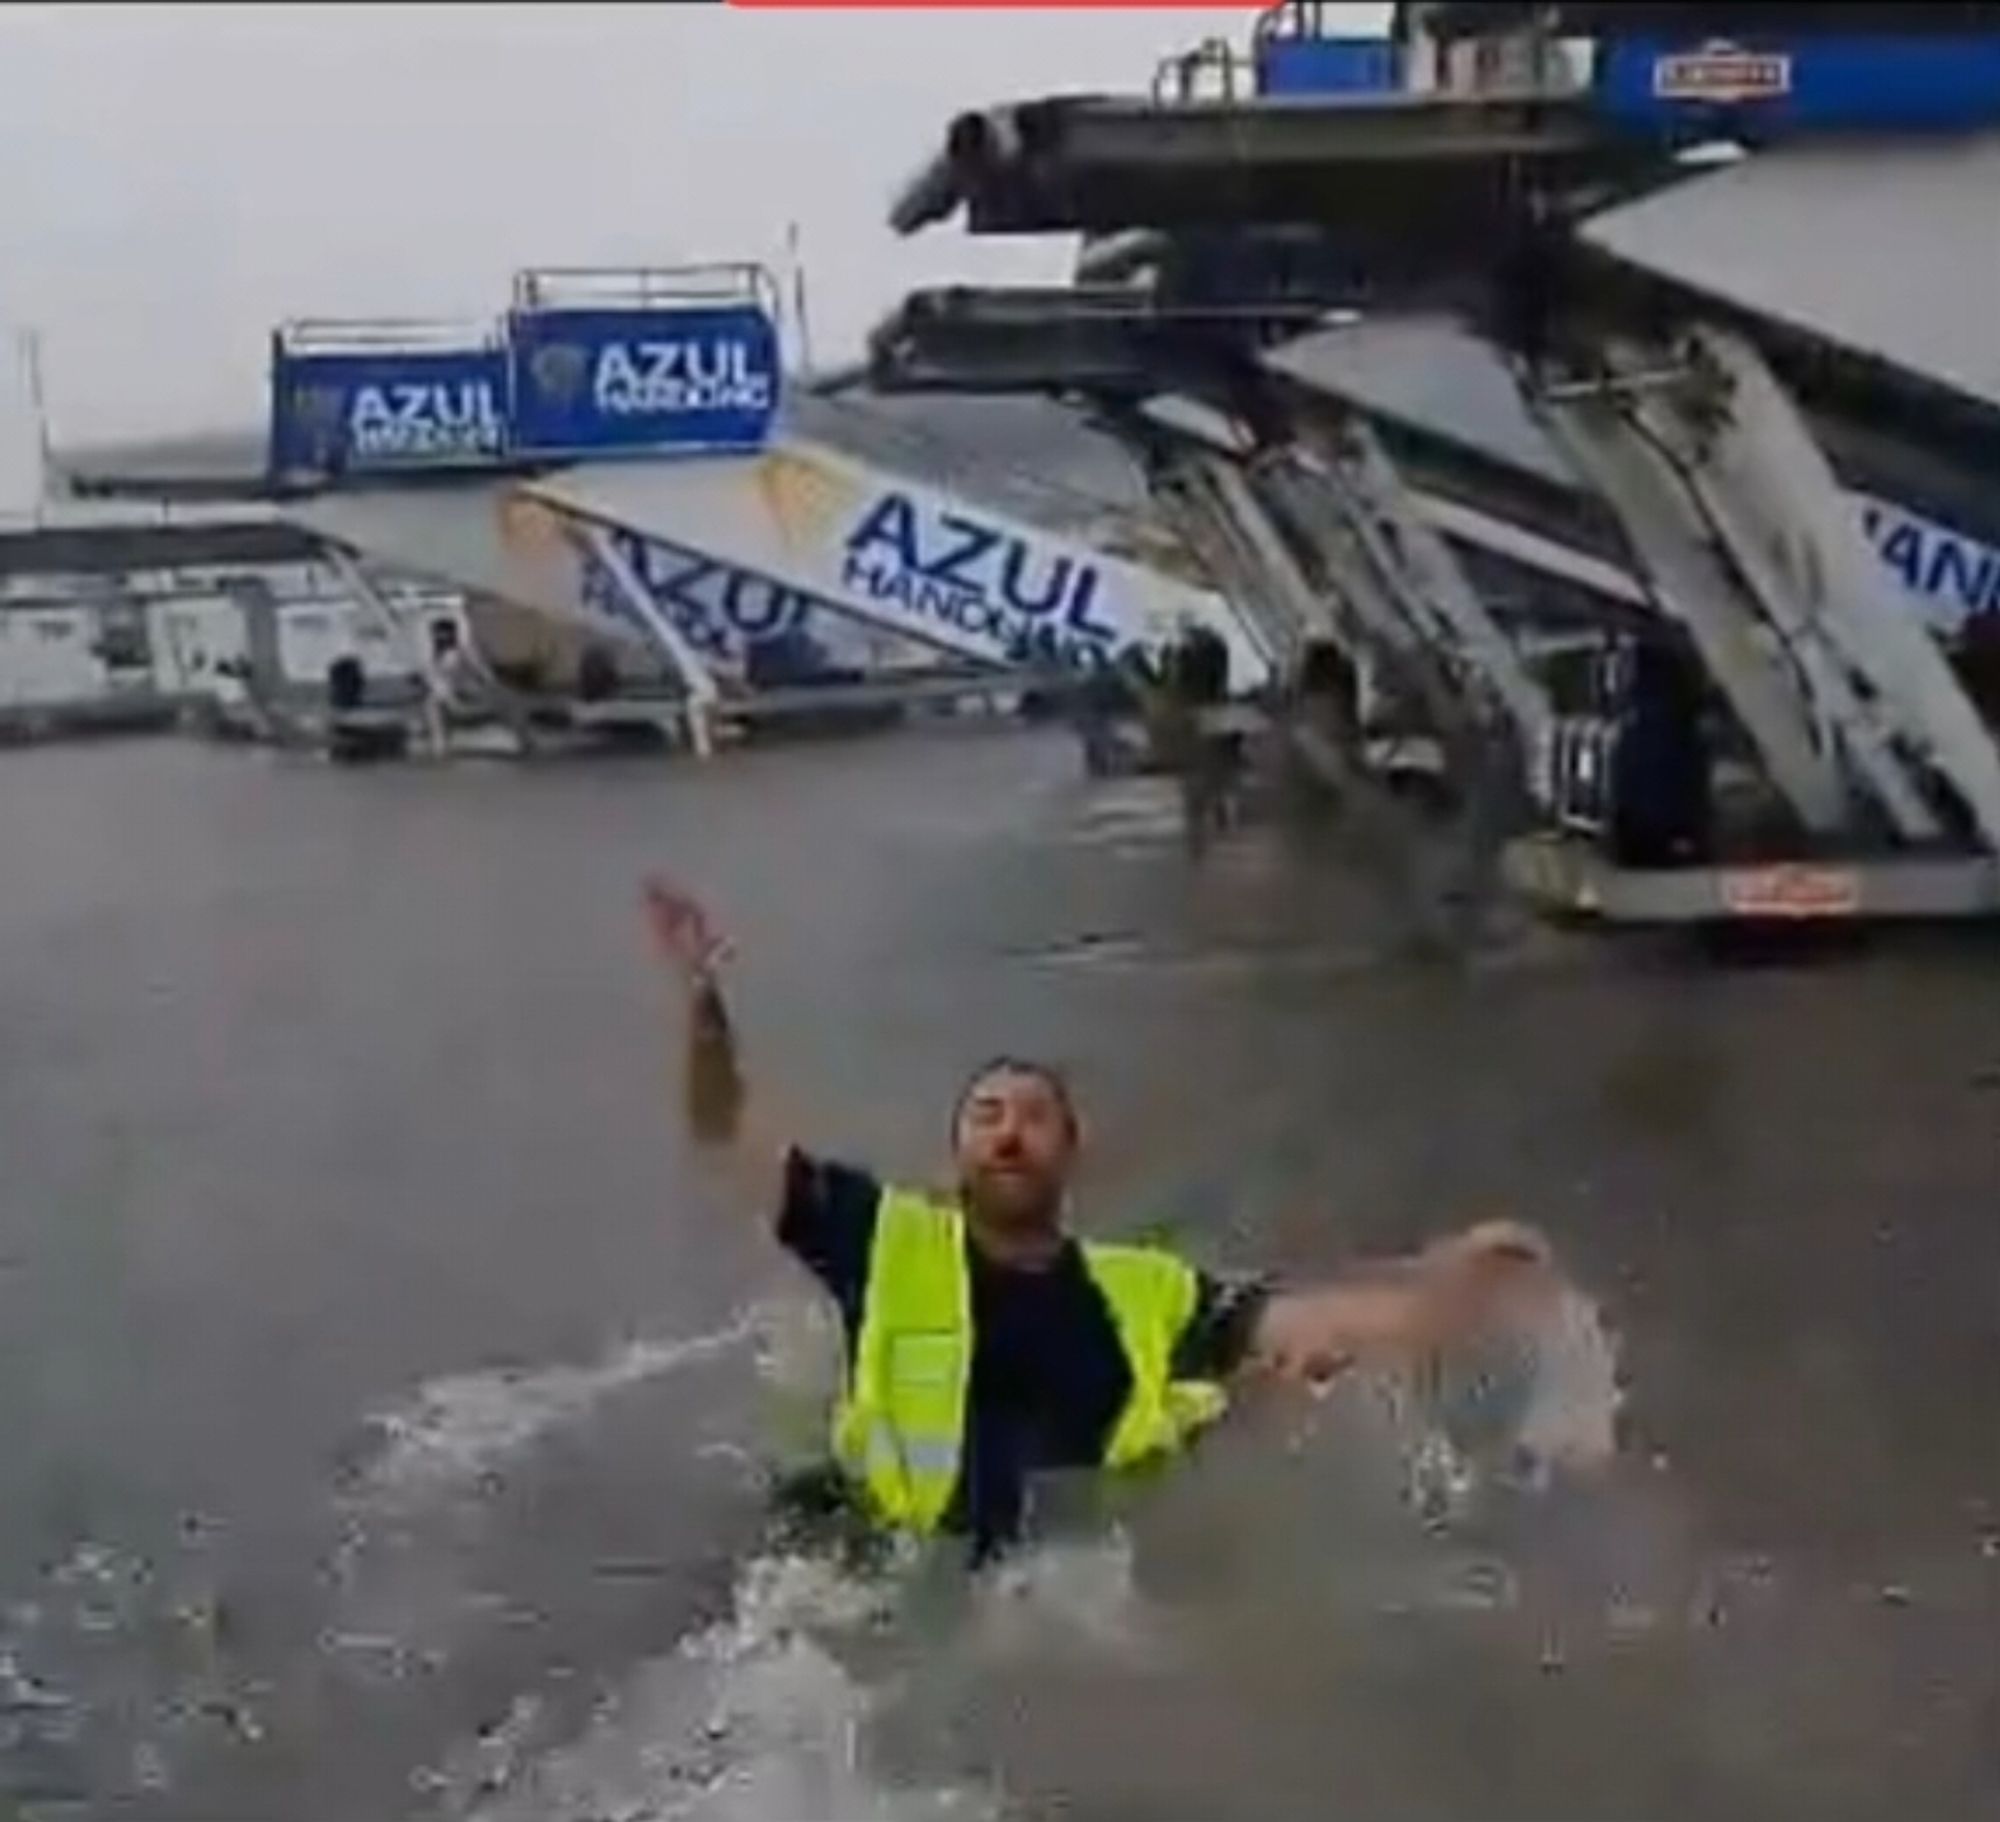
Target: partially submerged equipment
(1546,175)
(611,453)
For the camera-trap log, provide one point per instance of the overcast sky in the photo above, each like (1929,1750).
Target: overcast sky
(179,179)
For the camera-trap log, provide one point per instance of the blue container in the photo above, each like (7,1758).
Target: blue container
(1326,66)
(380,410)
(592,381)
(1762,85)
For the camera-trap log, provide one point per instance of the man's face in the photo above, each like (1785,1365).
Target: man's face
(1014,1143)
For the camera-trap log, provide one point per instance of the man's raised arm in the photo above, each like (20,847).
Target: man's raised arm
(716,1102)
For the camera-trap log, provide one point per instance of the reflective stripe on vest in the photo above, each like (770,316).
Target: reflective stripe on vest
(900,1428)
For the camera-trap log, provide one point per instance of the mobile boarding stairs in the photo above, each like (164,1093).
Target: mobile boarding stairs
(1690,416)
(668,506)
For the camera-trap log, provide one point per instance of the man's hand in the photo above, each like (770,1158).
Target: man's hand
(1454,1291)
(1485,1277)
(682,933)
(688,943)
(715,1101)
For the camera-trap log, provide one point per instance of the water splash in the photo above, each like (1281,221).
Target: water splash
(845,1699)
(750,1720)
(107,1674)
(830,1696)
(1538,1403)
(1570,1421)
(456,1429)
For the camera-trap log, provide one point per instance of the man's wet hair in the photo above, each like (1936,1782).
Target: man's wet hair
(1051,1078)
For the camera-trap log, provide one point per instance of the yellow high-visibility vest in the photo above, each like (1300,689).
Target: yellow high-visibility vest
(900,1430)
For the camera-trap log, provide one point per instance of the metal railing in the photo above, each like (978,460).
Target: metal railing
(135,515)
(1292,19)
(1571,773)
(537,288)
(366,334)
(743,282)
(1214,68)
(1212,71)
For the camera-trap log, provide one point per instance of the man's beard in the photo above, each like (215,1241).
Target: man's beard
(1019,1197)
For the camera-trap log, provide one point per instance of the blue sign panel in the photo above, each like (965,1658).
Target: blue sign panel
(1952,578)
(1327,66)
(595,381)
(1762,83)
(1025,598)
(369,410)
(720,610)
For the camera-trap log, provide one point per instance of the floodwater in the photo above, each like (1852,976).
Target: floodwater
(383,1390)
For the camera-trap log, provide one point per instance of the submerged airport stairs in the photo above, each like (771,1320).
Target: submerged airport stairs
(1495,173)
(698,542)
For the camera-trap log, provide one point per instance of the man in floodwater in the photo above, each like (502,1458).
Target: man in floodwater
(986,1347)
